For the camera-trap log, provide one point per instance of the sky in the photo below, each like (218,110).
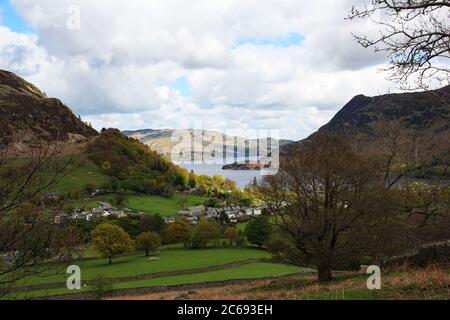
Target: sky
(281,65)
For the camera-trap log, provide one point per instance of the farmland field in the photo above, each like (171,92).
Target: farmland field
(169,260)
(247,271)
(175,260)
(163,206)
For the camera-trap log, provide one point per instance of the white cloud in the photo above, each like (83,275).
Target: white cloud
(115,69)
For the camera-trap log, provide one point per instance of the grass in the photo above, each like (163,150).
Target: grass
(163,206)
(249,271)
(76,180)
(170,260)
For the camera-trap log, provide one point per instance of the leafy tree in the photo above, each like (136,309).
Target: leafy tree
(179,231)
(179,181)
(203,233)
(111,240)
(192,182)
(232,234)
(148,241)
(130,224)
(258,231)
(213,202)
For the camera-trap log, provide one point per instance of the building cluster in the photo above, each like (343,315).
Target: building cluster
(105,210)
(194,214)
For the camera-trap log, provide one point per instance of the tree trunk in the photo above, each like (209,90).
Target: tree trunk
(109,260)
(324,273)
(146,253)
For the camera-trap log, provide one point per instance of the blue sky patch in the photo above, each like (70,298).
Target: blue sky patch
(183,86)
(291,39)
(11,19)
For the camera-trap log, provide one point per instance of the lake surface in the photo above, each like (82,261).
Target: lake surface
(241,177)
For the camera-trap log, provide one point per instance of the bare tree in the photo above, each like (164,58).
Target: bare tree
(336,201)
(415,34)
(33,231)
(326,193)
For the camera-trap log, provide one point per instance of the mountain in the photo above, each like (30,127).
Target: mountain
(161,141)
(425,114)
(428,110)
(28,116)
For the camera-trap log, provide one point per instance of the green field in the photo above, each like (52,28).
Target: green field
(170,260)
(163,206)
(248,271)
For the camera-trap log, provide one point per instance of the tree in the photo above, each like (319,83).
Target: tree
(415,34)
(32,231)
(192,182)
(148,241)
(179,231)
(258,231)
(203,233)
(212,202)
(152,223)
(232,234)
(111,240)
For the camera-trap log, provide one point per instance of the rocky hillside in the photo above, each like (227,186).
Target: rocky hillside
(425,114)
(28,117)
(429,110)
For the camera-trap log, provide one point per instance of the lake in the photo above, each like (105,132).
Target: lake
(241,177)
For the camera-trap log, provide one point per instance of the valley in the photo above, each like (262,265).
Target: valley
(137,224)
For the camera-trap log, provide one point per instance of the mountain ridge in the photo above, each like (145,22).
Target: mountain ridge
(29,117)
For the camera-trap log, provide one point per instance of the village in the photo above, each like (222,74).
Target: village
(231,214)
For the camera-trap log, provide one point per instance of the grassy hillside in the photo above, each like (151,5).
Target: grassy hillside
(86,173)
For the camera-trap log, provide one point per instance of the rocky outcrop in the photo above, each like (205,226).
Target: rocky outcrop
(28,116)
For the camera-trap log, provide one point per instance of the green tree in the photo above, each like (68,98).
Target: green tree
(110,240)
(148,241)
(179,231)
(258,231)
(204,233)
(213,202)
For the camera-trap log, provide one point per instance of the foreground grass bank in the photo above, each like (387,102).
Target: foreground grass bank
(432,283)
